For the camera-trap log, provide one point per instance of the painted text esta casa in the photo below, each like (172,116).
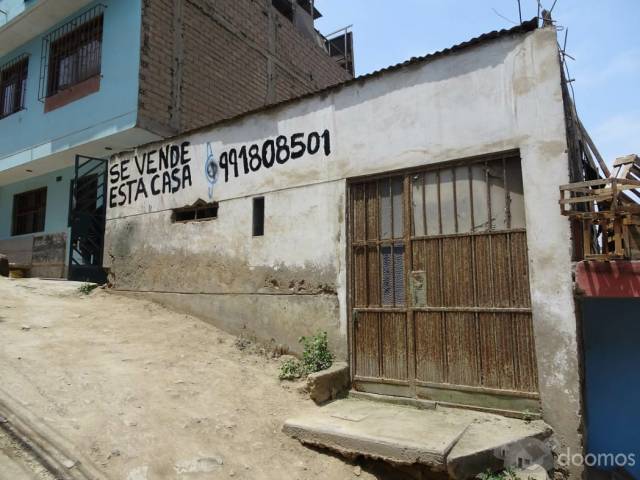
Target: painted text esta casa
(162,171)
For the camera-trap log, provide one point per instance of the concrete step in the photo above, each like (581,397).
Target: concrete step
(406,401)
(461,442)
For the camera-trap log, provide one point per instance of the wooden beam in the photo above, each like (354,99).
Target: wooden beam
(592,147)
(626,160)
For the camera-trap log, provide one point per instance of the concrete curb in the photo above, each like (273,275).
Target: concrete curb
(328,384)
(352,447)
(58,455)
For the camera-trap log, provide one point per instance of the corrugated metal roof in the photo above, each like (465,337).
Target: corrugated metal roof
(523,28)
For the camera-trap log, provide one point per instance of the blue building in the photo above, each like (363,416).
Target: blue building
(81,80)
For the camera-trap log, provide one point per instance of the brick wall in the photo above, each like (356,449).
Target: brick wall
(206,60)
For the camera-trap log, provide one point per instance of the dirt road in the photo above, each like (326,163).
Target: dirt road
(145,393)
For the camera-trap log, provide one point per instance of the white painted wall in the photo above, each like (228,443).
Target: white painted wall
(501,95)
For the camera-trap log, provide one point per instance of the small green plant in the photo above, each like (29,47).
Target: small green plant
(316,356)
(507,474)
(87,288)
(291,369)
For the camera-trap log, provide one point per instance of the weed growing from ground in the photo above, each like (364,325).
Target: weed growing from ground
(316,356)
(291,369)
(507,474)
(87,288)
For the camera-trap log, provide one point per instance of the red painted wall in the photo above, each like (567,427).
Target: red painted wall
(617,279)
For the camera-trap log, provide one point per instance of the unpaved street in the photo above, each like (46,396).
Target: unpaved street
(145,393)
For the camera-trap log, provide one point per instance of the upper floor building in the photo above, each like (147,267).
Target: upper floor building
(82,77)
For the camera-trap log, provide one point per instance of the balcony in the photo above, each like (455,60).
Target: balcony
(339,46)
(37,18)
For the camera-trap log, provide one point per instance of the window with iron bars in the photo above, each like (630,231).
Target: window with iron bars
(13,85)
(29,210)
(72,53)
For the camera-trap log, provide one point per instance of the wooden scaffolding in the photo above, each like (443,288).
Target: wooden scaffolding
(608,211)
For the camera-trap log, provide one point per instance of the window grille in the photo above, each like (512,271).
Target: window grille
(13,85)
(71,53)
(29,211)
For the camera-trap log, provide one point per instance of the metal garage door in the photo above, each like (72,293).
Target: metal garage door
(439,287)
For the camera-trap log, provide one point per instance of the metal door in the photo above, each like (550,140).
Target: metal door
(87,213)
(439,286)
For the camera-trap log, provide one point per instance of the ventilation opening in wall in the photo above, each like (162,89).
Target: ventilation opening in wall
(197,212)
(258,216)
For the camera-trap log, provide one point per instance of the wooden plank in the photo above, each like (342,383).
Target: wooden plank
(497,350)
(469,309)
(483,270)
(601,197)
(371,196)
(616,171)
(366,344)
(586,237)
(449,272)
(430,347)
(594,150)
(628,181)
(359,211)
(433,270)
(373,271)
(587,183)
(462,256)
(626,160)
(501,259)
(520,291)
(617,237)
(463,363)
(418,261)
(526,367)
(624,171)
(394,345)
(359,276)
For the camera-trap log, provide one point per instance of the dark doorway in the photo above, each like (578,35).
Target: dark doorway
(87,220)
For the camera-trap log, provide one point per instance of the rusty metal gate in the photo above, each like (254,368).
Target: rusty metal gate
(439,287)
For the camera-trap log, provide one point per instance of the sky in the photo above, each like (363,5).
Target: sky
(603,37)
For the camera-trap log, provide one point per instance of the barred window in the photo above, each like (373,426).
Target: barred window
(75,56)
(13,86)
(29,211)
